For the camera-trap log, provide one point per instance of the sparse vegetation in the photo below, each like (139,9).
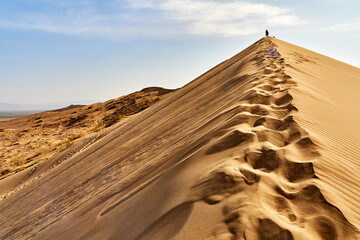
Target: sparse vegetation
(73,120)
(111,119)
(31,139)
(5,171)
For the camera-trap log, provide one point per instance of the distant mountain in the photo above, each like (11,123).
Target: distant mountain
(10,107)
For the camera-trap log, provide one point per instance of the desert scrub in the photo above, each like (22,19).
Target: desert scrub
(5,172)
(111,119)
(74,120)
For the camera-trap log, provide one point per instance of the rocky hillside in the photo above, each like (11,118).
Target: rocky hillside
(28,140)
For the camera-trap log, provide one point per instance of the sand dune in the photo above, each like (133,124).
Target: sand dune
(263,146)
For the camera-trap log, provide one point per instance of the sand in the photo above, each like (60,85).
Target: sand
(263,146)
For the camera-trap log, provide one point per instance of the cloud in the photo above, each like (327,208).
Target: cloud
(87,18)
(124,18)
(68,25)
(226,18)
(346,27)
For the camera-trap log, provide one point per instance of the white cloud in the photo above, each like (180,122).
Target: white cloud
(80,18)
(151,17)
(346,27)
(63,24)
(59,18)
(227,18)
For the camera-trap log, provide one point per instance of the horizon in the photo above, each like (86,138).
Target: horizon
(68,52)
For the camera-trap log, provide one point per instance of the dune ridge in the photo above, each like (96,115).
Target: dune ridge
(327,95)
(294,206)
(231,155)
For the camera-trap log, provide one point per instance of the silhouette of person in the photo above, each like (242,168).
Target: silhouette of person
(267,33)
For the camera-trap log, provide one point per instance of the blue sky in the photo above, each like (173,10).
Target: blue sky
(70,51)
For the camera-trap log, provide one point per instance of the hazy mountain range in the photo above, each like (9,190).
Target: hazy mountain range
(10,107)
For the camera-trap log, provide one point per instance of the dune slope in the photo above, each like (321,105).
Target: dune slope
(259,147)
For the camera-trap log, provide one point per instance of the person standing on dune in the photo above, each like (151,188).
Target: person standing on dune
(266,33)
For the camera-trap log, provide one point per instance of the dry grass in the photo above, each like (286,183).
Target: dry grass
(28,140)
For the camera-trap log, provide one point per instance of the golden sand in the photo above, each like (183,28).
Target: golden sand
(265,145)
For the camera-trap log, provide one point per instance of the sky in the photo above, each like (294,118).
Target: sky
(66,51)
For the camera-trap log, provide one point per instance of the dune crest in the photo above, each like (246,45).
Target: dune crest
(228,156)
